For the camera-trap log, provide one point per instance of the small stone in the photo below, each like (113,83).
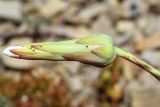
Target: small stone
(70,15)
(52,7)
(10,74)
(143,22)
(86,96)
(151,42)
(86,72)
(123,39)
(149,24)
(152,56)
(72,67)
(153,26)
(133,8)
(139,91)
(70,32)
(113,2)
(152,2)
(115,9)
(76,83)
(103,25)
(91,11)
(125,26)
(6,29)
(11,9)
(17,63)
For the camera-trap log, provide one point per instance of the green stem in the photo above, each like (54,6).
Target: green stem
(137,61)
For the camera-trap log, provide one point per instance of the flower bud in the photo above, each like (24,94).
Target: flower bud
(95,50)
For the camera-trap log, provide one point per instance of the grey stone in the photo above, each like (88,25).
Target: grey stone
(153,26)
(76,84)
(103,25)
(72,67)
(133,8)
(91,11)
(151,56)
(86,74)
(125,26)
(52,7)
(7,27)
(138,92)
(144,22)
(123,39)
(11,9)
(68,31)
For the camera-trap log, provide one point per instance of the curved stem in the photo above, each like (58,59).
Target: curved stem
(137,61)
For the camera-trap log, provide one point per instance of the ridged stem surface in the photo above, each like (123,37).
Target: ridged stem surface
(132,58)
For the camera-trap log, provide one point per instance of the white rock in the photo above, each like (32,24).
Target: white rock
(10,9)
(123,38)
(125,26)
(72,32)
(133,8)
(139,92)
(151,56)
(52,7)
(92,11)
(76,83)
(103,25)
(72,66)
(153,26)
(90,73)
(144,22)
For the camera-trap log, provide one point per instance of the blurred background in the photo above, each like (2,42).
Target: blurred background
(134,25)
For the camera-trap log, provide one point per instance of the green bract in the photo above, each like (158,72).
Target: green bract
(97,50)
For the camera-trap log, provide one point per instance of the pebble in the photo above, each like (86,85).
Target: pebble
(151,56)
(124,26)
(91,11)
(11,10)
(133,8)
(144,21)
(70,32)
(153,26)
(90,73)
(123,39)
(72,67)
(76,83)
(103,25)
(151,42)
(139,92)
(52,7)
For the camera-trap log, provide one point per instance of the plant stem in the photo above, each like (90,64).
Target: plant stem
(130,57)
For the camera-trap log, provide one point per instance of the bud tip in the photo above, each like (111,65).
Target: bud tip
(7,51)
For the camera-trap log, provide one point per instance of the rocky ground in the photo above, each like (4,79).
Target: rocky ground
(134,26)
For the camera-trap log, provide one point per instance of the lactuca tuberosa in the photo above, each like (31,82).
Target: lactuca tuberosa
(97,50)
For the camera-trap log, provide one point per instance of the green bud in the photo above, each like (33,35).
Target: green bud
(97,50)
